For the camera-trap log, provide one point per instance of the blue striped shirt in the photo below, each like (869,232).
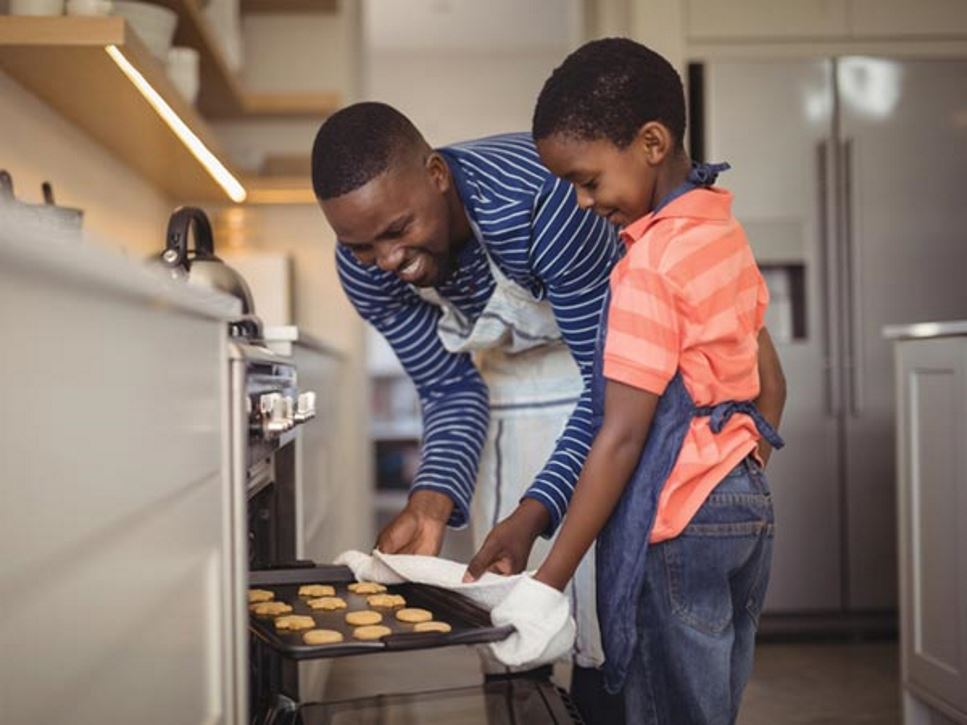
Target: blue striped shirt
(535,232)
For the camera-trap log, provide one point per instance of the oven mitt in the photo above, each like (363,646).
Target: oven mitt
(487,592)
(542,617)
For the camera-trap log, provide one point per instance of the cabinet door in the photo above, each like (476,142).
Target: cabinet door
(932,466)
(904,19)
(771,121)
(115,571)
(766,19)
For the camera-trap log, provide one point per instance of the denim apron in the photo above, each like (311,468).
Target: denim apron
(623,543)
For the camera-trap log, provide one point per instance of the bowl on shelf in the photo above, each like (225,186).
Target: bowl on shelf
(155,25)
(36,7)
(182,69)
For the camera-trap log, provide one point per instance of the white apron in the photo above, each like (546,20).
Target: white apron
(534,385)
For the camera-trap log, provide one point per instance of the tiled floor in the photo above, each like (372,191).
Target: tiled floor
(794,684)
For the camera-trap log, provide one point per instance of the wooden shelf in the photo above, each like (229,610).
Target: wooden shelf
(276,7)
(222,95)
(279,190)
(64,61)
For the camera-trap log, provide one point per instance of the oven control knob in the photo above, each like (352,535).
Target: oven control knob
(276,422)
(306,408)
(289,411)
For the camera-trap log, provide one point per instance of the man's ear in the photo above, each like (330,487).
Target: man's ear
(654,142)
(439,172)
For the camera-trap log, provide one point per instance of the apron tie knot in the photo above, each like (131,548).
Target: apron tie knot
(720,414)
(706,174)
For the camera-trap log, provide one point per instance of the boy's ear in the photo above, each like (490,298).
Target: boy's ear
(654,142)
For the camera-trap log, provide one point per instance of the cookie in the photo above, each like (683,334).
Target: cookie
(366,588)
(270,609)
(295,621)
(327,603)
(371,632)
(322,636)
(431,627)
(386,600)
(259,595)
(414,615)
(316,590)
(364,617)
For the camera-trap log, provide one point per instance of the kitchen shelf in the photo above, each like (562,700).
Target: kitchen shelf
(64,61)
(279,190)
(276,7)
(222,94)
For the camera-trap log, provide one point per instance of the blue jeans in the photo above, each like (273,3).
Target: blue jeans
(699,609)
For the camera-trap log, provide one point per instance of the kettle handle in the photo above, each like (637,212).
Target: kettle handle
(179,226)
(6,185)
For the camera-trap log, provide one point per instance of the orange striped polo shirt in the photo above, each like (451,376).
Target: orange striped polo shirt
(689,296)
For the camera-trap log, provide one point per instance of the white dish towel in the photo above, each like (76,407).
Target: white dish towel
(540,614)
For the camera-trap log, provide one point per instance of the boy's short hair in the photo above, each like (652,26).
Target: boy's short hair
(357,144)
(609,89)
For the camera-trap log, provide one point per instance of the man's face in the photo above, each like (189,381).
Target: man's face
(399,221)
(615,183)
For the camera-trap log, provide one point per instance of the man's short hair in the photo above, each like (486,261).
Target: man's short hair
(357,144)
(609,89)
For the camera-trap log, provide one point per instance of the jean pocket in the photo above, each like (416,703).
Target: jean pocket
(723,543)
(697,576)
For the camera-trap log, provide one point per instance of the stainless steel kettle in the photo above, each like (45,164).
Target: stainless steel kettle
(203,267)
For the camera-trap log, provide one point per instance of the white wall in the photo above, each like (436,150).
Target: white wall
(462,69)
(121,210)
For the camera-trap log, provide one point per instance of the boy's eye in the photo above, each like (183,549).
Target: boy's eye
(590,185)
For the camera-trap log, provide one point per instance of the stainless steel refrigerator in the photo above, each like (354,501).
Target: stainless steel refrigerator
(850,176)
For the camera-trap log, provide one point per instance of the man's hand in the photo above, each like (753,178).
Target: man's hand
(508,546)
(419,527)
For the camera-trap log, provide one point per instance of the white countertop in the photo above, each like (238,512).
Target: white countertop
(88,266)
(925,330)
(293,335)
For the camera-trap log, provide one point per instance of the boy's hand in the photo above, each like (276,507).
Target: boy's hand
(419,527)
(508,546)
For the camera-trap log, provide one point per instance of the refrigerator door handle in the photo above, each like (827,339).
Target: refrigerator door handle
(851,286)
(827,257)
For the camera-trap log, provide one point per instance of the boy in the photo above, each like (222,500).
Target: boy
(676,469)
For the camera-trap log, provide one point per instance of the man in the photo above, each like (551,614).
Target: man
(487,279)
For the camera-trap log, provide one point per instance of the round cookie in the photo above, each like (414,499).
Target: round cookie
(259,595)
(386,600)
(316,590)
(366,588)
(270,609)
(431,627)
(371,631)
(364,617)
(414,615)
(295,621)
(322,636)
(327,603)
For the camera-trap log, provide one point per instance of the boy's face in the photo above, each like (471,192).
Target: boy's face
(615,183)
(399,221)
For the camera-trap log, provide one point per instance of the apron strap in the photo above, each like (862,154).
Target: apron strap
(720,414)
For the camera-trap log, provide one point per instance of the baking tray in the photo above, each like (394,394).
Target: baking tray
(470,624)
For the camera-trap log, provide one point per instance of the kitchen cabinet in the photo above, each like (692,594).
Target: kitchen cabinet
(762,20)
(931,425)
(765,19)
(116,572)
